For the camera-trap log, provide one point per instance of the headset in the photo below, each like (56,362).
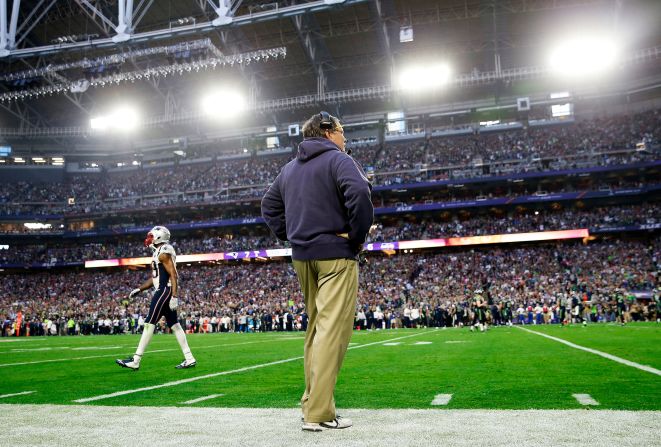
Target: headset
(326,121)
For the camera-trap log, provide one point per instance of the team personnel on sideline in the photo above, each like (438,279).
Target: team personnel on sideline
(321,203)
(479,306)
(164,301)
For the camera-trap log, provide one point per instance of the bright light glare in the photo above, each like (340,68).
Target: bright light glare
(123,119)
(583,56)
(99,123)
(224,104)
(37,226)
(424,77)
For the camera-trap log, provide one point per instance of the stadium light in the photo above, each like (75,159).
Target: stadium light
(223,104)
(99,123)
(37,226)
(123,119)
(423,78)
(583,56)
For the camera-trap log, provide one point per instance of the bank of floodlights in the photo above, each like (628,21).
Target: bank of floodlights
(223,104)
(583,56)
(122,119)
(424,77)
(177,69)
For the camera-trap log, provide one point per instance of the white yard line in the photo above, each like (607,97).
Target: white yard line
(35,362)
(441,399)
(594,351)
(200,399)
(22,393)
(96,348)
(76,358)
(111,426)
(585,399)
(13,340)
(220,373)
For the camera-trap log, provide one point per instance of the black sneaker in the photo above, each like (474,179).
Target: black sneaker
(338,423)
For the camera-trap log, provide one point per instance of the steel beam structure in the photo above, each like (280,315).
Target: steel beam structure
(11,37)
(541,98)
(153,82)
(139,13)
(385,92)
(27,26)
(205,27)
(384,15)
(315,49)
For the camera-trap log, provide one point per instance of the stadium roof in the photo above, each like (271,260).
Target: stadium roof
(331,46)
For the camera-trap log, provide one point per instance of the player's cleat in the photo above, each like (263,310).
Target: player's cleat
(129,363)
(186,364)
(337,423)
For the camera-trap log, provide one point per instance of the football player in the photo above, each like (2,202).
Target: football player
(479,312)
(164,302)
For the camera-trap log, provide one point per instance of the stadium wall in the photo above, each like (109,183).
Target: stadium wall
(32,174)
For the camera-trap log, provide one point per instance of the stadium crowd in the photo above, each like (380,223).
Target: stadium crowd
(386,231)
(249,209)
(584,143)
(529,285)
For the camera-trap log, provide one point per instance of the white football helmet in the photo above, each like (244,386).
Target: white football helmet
(157,235)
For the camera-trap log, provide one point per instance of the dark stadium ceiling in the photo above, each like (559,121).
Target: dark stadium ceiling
(350,45)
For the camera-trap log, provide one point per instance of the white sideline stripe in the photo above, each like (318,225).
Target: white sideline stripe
(392,344)
(16,394)
(599,353)
(124,353)
(585,399)
(441,399)
(200,399)
(220,373)
(422,343)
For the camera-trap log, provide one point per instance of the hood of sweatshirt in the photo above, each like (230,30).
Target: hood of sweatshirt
(312,147)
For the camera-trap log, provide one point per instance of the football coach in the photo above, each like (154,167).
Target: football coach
(321,203)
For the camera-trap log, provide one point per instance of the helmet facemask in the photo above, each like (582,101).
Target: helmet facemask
(149,241)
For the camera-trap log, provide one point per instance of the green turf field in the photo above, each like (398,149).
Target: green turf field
(505,368)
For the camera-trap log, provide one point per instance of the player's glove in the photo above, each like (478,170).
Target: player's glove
(134,292)
(174,303)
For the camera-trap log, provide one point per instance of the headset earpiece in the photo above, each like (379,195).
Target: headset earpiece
(326,122)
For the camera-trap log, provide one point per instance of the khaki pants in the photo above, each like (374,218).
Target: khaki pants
(329,288)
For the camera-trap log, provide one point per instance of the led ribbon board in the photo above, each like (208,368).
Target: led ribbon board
(373,246)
